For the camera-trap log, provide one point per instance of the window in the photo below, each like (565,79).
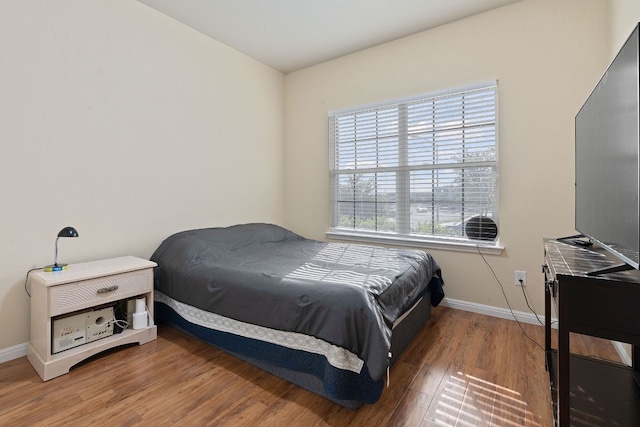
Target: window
(416,169)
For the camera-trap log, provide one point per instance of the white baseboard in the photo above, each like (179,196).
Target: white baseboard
(7,354)
(626,357)
(20,350)
(502,313)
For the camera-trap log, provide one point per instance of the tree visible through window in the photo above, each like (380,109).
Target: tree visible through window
(419,168)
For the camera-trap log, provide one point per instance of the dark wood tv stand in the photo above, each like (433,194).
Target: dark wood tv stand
(586,391)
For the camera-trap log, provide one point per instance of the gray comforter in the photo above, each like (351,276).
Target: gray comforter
(346,294)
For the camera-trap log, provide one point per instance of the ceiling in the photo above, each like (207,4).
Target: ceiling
(289,35)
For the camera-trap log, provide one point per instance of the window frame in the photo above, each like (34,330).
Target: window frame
(462,243)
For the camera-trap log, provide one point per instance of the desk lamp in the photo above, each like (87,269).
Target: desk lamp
(65,232)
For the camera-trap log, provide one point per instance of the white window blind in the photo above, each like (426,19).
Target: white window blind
(419,169)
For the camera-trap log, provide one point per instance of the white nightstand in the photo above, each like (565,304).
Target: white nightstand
(80,287)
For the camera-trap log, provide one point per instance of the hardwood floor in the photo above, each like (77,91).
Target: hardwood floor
(463,369)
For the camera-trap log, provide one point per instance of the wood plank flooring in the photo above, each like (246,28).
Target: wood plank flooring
(463,369)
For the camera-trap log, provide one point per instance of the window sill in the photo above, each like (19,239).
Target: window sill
(452,244)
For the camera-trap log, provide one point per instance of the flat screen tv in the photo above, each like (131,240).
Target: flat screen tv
(607,166)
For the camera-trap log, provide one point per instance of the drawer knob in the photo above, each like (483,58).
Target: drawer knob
(108,289)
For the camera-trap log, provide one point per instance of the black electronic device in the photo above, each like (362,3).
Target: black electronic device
(607,158)
(583,243)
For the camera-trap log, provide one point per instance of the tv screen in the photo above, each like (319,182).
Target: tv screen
(607,171)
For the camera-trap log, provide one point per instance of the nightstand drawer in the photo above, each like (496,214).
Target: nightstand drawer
(89,293)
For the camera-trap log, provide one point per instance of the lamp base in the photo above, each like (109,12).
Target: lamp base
(56,267)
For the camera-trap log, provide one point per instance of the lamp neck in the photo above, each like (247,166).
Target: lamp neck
(55,253)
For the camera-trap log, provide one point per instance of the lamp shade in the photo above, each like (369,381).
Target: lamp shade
(68,232)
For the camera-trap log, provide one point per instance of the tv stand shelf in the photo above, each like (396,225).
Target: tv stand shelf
(586,390)
(602,393)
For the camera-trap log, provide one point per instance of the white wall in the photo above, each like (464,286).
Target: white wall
(115,119)
(624,16)
(127,125)
(546,55)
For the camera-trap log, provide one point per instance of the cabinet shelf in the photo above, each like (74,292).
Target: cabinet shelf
(60,363)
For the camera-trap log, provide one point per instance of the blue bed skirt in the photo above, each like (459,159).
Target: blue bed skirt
(307,370)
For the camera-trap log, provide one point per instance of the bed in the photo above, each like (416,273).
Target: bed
(328,317)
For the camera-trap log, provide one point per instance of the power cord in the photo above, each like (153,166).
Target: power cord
(119,317)
(27,279)
(526,300)
(507,300)
(121,323)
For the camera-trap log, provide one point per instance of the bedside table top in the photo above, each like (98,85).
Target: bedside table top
(91,270)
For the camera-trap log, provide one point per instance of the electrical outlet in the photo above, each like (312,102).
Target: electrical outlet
(521,278)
